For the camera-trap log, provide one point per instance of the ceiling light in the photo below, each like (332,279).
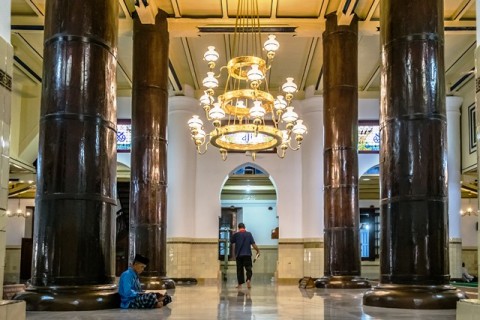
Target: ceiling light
(245,116)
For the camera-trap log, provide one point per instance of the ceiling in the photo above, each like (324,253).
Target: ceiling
(194,25)
(299,24)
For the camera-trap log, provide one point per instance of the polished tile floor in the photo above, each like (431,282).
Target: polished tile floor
(264,300)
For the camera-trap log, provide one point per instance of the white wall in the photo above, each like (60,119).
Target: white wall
(285,174)
(124,111)
(16,225)
(366,203)
(468,227)
(258,219)
(368,109)
(5,20)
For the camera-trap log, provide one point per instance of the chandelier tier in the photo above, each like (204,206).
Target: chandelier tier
(246,117)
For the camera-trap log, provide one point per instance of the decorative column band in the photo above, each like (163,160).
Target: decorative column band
(87,40)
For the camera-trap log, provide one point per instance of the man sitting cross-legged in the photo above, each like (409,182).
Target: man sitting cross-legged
(131,294)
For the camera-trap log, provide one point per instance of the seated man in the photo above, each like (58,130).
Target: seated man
(466,276)
(131,294)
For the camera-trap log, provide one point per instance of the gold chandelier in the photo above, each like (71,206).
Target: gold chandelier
(246,117)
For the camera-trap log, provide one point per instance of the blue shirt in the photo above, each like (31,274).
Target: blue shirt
(243,241)
(128,287)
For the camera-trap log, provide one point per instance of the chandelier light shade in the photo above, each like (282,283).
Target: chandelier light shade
(245,117)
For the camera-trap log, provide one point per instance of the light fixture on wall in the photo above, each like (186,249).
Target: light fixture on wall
(469,211)
(19,212)
(246,117)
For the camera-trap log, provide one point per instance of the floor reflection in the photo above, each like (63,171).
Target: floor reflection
(265,301)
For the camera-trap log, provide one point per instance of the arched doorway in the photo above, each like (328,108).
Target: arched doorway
(369,207)
(249,196)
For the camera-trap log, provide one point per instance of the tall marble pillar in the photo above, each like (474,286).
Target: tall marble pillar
(312,186)
(340,115)
(74,240)
(148,186)
(6,86)
(453,105)
(182,172)
(413,160)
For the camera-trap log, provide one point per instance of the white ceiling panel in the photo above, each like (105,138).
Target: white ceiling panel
(264,8)
(368,62)
(299,56)
(295,8)
(204,8)
(22,8)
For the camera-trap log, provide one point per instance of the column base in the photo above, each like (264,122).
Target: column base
(157,283)
(70,298)
(342,282)
(413,296)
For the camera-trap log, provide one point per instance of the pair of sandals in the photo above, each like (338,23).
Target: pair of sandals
(165,298)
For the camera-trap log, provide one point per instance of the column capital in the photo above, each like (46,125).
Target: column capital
(453,103)
(312,104)
(185,104)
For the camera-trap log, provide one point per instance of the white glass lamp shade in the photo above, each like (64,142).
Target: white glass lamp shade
(289,86)
(271,44)
(257,111)
(195,123)
(210,81)
(211,55)
(200,135)
(240,104)
(216,112)
(280,103)
(299,128)
(290,115)
(206,99)
(254,74)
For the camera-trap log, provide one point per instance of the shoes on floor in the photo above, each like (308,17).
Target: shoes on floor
(166,299)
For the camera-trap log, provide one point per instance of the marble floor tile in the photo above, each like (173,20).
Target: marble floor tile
(264,301)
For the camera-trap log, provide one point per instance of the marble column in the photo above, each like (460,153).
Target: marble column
(182,172)
(74,240)
(6,74)
(453,105)
(148,214)
(470,309)
(341,213)
(413,160)
(312,186)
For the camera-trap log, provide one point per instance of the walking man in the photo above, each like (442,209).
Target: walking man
(243,241)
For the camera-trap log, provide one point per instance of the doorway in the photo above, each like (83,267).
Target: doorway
(249,196)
